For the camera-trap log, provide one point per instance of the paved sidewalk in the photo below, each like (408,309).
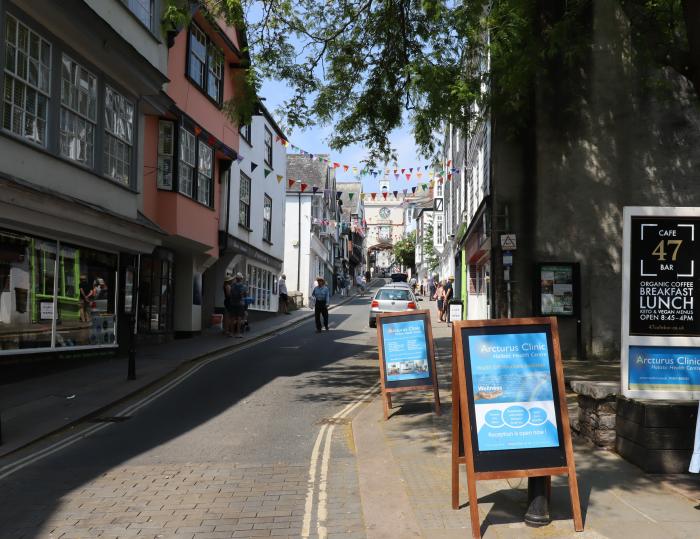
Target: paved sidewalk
(410,453)
(35,408)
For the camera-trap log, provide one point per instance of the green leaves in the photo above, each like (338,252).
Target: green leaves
(405,251)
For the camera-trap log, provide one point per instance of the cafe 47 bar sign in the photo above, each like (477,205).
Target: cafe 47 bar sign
(660,315)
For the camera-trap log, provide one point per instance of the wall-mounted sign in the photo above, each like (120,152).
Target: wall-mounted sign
(660,322)
(557,289)
(406,355)
(508,242)
(46,310)
(455,313)
(509,406)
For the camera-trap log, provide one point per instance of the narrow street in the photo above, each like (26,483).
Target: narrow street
(247,446)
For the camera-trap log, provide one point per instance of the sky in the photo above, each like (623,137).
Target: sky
(315,141)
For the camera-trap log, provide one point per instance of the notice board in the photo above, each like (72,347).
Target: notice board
(660,322)
(406,355)
(509,406)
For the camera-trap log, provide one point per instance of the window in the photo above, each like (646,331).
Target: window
(204,175)
(215,72)
(185,177)
(143,9)
(267,219)
(244,203)
(166,145)
(268,147)
(78,112)
(27,82)
(439,190)
(119,126)
(260,282)
(244,131)
(206,64)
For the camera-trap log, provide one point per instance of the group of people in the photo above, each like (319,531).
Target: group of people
(443,293)
(236,306)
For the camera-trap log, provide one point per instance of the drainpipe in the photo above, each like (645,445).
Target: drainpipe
(299,242)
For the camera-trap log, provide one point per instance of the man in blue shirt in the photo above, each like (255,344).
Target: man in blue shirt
(322,298)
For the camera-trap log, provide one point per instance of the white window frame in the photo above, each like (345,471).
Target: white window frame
(79,125)
(267,218)
(244,201)
(268,146)
(187,163)
(166,151)
(119,137)
(143,10)
(205,173)
(33,110)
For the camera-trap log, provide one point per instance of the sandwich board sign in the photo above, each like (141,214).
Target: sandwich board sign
(406,355)
(509,412)
(660,324)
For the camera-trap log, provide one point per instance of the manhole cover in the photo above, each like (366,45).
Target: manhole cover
(335,421)
(111,419)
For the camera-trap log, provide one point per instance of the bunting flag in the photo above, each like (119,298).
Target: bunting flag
(304,186)
(405,192)
(362,196)
(345,168)
(338,194)
(403,171)
(424,186)
(440,181)
(350,195)
(197,130)
(410,170)
(279,178)
(408,177)
(413,189)
(291,182)
(336,165)
(314,189)
(267,172)
(419,175)
(354,170)
(449,176)
(396,194)
(253,166)
(449,163)
(396,175)
(240,158)
(384,195)
(373,195)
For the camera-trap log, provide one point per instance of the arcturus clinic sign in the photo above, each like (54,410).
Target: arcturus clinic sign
(660,310)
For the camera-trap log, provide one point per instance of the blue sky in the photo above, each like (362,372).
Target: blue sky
(315,141)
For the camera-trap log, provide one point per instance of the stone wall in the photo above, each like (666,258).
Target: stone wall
(597,409)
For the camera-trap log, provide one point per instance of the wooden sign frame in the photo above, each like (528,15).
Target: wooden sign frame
(388,387)
(463,439)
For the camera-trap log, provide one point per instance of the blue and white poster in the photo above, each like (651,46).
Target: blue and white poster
(512,387)
(667,368)
(405,350)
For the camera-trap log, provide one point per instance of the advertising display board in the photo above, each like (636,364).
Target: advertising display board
(406,355)
(557,289)
(660,325)
(509,406)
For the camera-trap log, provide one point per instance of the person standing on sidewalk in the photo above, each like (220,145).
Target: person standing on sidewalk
(440,297)
(237,303)
(322,298)
(284,298)
(449,293)
(368,278)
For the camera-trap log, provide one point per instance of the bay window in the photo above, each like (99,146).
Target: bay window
(166,146)
(185,176)
(205,65)
(78,112)
(119,126)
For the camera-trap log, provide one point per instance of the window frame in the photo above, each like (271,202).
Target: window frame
(181,159)
(267,223)
(244,180)
(162,155)
(208,46)
(247,135)
(106,133)
(151,25)
(200,174)
(268,147)
(76,113)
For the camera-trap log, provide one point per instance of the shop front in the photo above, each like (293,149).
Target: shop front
(477,269)
(55,295)
(156,294)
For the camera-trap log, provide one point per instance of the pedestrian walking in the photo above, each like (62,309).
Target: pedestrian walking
(236,306)
(431,286)
(284,298)
(368,278)
(359,280)
(322,298)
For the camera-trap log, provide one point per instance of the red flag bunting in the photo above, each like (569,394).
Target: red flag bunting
(304,186)
(408,177)
(345,168)
(384,195)
(373,195)
(291,182)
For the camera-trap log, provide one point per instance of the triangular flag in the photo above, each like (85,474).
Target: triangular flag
(279,178)
(350,195)
(345,168)
(338,194)
(449,163)
(374,195)
(354,170)
(197,130)
(362,196)
(384,195)
(267,172)
(410,169)
(291,182)
(396,176)
(408,177)
(419,174)
(425,186)
(396,194)
(336,165)
(253,166)
(449,177)
(314,189)
(413,189)
(403,170)
(304,186)
(405,191)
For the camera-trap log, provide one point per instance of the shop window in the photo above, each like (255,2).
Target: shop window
(78,112)
(267,218)
(185,176)
(205,171)
(244,202)
(27,82)
(26,296)
(268,147)
(86,297)
(119,132)
(166,146)
(156,292)
(143,9)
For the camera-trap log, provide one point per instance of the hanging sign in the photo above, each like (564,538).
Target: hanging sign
(511,411)
(406,355)
(660,322)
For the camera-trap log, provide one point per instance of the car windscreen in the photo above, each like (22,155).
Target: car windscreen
(394,294)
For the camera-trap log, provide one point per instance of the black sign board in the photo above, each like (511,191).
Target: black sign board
(664,258)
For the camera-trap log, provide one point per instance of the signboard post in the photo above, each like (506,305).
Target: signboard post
(406,355)
(509,406)
(660,323)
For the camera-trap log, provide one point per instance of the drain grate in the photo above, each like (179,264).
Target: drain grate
(110,419)
(335,421)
